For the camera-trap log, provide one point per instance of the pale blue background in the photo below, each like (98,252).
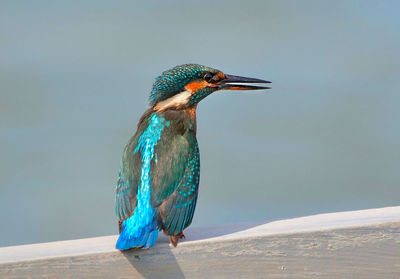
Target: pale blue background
(75,77)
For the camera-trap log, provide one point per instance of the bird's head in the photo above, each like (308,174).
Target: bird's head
(185,85)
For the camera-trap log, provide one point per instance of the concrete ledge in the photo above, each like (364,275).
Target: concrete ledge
(356,244)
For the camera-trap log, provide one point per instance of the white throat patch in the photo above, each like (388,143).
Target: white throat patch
(175,101)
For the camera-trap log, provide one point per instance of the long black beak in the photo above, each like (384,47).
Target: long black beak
(233,83)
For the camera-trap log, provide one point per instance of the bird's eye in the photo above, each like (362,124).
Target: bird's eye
(207,77)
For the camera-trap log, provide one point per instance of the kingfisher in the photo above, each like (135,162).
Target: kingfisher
(158,179)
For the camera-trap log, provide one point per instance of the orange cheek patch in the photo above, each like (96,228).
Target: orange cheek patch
(221,75)
(196,85)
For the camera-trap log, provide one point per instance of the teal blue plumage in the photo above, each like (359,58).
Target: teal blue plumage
(174,178)
(173,80)
(158,179)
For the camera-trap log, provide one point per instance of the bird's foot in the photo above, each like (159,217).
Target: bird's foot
(173,239)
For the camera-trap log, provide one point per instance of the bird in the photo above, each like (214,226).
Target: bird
(158,179)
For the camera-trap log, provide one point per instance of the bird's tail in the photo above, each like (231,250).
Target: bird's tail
(136,236)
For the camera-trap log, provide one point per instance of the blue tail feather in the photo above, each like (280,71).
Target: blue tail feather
(141,237)
(152,239)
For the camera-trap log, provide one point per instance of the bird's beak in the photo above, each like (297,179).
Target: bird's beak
(235,83)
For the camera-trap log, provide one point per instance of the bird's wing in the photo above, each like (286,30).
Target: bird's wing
(128,180)
(175,184)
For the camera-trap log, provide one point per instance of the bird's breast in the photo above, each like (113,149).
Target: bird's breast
(181,121)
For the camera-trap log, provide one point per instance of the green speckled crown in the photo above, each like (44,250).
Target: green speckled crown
(174,80)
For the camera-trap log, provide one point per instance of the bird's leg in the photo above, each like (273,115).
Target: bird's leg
(173,239)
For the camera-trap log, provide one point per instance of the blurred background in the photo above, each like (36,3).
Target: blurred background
(75,78)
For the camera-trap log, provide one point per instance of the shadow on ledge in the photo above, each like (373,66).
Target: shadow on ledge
(160,261)
(161,264)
